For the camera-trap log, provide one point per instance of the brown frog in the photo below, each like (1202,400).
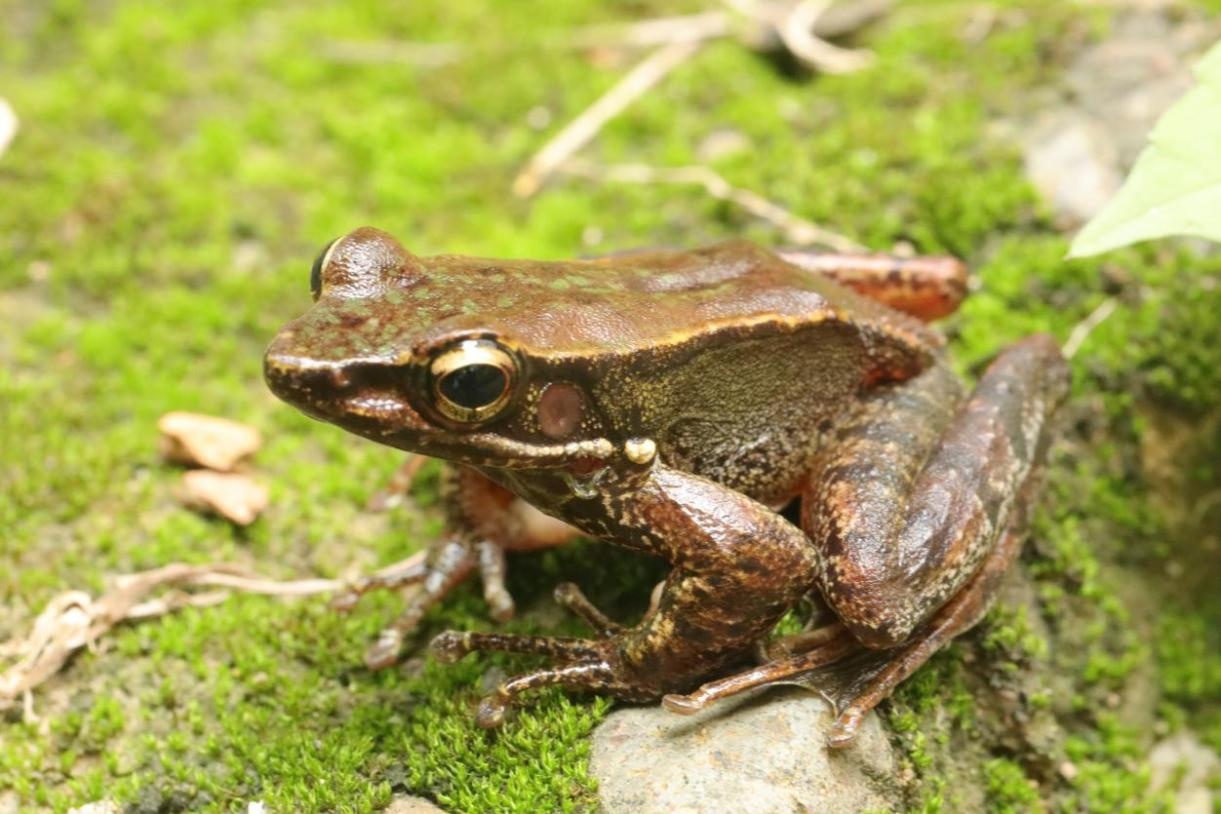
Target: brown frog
(671,402)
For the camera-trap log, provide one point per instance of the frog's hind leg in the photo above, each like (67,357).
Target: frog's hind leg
(902,511)
(920,506)
(903,514)
(916,490)
(927,288)
(854,698)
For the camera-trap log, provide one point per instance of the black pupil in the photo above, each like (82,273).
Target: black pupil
(315,273)
(473,386)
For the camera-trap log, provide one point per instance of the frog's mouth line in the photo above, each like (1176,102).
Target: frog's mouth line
(392,421)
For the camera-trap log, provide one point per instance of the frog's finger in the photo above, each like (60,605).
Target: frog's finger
(492,573)
(573,599)
(451,565)
(399,575)
(452,645)
(396,489)
(589,675)
(785,646)
(829,651)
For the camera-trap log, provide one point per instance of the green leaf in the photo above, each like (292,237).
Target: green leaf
(1175,186)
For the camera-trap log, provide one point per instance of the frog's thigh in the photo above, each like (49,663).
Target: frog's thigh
(911,498)
(925,287)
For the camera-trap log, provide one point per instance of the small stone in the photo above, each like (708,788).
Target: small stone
(1072,163)
(720,144)
(237,498)
(100,807)
(1187,763)
(592,235)
(765,752)
(203,440)
(539,117)
(406,804)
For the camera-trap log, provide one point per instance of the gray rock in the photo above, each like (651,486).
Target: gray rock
(1079,146)
(1072,162)
(406,804)
(765,754)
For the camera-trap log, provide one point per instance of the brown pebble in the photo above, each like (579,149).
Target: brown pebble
(237,498)
(202,440)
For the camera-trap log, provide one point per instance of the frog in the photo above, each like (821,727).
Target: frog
(673,403)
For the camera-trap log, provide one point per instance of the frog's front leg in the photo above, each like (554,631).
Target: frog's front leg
(916,510)
(738,567)
(483,520)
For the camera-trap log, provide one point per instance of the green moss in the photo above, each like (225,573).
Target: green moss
(1010,791)
(1007,634)
(173,178)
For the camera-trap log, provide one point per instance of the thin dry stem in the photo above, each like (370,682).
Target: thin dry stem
(797,30)
(74,619)
(584,127)
(794,228)
(1085,327)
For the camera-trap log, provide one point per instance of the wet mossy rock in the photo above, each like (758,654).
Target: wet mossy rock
(175,173)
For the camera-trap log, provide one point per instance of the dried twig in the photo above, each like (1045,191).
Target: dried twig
(416,54)
(797,29)
(74,619)
(1082,329)
(708,25)
(795,228)
(796,25)
(753,24)
(584,127)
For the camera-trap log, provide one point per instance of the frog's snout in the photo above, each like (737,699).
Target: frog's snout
(303,383)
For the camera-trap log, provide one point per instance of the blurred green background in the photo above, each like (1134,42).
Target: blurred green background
(176,170)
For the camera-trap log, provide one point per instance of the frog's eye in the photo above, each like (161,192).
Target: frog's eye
(472,381)
(315,273)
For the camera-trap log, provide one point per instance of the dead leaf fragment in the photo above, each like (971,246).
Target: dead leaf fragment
(237,498)
(203,440)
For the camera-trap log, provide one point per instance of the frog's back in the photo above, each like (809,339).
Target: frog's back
(641,300)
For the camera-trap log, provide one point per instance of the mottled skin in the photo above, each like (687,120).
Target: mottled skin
(670,402)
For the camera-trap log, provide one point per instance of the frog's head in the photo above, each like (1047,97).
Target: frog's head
(410,353)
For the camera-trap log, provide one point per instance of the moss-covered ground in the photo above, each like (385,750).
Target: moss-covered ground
(179,165)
